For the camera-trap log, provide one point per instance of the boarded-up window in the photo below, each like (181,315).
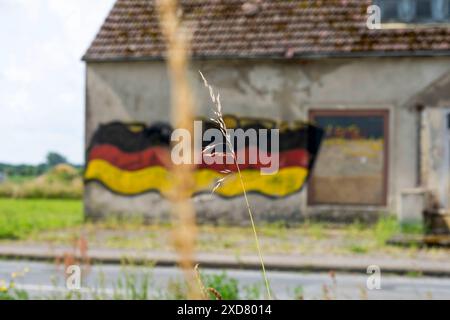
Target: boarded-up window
(352,164)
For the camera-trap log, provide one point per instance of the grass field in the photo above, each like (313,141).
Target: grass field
(20,218)
(58,222)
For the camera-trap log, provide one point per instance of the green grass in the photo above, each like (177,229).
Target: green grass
(414,274)
(21,217)
(227,287)
(20,179)
(41,221)
(358,249)
(316,230)
(385,228)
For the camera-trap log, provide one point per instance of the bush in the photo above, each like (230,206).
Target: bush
(226,286)
(62,182)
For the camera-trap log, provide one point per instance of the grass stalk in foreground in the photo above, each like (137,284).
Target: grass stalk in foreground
(221,123)
(183,117)
(255,233)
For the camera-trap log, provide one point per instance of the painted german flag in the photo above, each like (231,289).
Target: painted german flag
(132,159)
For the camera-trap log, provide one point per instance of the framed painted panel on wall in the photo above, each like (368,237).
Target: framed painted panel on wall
(352,167)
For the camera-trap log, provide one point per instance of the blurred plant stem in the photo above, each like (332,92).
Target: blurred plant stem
(184,225)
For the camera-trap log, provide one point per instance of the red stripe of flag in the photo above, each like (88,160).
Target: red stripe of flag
(160,156)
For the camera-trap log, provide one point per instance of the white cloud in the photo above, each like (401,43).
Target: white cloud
(42,77)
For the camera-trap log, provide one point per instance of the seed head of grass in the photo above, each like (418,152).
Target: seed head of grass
(219,120)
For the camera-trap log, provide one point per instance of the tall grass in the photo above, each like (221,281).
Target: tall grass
(41,189)
(62,182)
(230,150)
(182,117)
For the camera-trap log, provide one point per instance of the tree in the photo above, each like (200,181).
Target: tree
(53,159)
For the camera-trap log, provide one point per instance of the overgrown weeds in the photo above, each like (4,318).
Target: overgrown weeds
(61,182)
(8,290)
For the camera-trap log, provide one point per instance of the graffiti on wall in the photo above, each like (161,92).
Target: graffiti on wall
(131,159)
(352,165)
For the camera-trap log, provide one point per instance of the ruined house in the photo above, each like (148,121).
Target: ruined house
(381,95)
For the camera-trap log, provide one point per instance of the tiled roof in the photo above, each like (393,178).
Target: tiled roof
(261,28)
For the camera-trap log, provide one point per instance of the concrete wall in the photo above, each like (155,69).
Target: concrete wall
(436,154)
(139,91)
(435,141)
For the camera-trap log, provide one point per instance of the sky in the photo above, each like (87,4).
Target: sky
(42,76)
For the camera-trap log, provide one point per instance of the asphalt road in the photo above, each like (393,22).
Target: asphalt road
(46,280)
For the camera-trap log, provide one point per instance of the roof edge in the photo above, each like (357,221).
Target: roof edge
(365,54)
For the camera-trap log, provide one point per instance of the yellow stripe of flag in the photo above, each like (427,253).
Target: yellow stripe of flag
(285,182)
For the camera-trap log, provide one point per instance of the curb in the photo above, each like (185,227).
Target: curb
(246,262)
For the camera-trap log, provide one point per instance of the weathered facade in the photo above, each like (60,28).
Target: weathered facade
(384,107)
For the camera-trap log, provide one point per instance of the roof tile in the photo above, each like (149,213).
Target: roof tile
(260,28)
